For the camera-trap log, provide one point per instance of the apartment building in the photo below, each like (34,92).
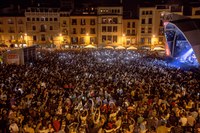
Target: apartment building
(43,26)
(64,35)
(12,29)
(83,30)
(150,27)
(130,31)
(110,25)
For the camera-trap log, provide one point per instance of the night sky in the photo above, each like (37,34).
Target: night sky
(128,5)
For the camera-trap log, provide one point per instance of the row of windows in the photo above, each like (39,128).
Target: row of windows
(147,12)
(43,28)
(11,21)
(110,20)
(149,30)
(83,31)
(109,28)
(146,22)
(12,30)
(42,19)
(129,32)
(110,10)
(129,25)
(109,38)
(83,22)
(75,40)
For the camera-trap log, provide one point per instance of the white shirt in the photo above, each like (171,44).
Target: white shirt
(13,128)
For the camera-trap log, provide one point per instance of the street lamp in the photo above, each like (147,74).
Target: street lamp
(25,38)
(124,39)
(61,39)
(87,38)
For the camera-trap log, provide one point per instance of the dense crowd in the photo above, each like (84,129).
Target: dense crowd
(98,91)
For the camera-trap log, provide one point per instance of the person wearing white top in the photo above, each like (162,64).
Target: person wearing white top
(13,128)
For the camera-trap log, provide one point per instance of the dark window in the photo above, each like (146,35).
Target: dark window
(74,31)
(150,20)
(50,19)
(34,27)
(109,38)
(114,28)
(142,30)
(46,19)
(33,19)
(149,30)
(74,22)
(128,25)
(150,12)
(28,19)
(42,19)
(143,21)
(43,37)
(103,38)
(92,21)
(51,28)
(109,28)
(114,39)
(34,38)
(55,19)
(133,24)
(92,31)
(161,23)
(83,31)
(115,20)
(143,12)
(103,28)
(133,32)
(38,19)
(43,28)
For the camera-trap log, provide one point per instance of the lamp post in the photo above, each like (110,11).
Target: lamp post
(26,38)
(123,40)
(61,39)
(87,38)
(153,40)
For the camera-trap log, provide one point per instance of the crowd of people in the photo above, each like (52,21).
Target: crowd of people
(98,91)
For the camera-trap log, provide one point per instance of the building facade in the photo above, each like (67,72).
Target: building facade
(130,27)
(99,26)
(150,27)
(110,26)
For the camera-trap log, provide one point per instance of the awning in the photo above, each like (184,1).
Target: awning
(109,47)
(120,47)
(132,48)
(89,46)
